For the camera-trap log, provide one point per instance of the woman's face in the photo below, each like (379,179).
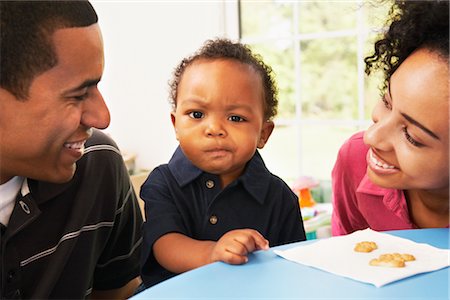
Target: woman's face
(409,145)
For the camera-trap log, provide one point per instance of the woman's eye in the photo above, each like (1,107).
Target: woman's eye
(196,115)
(410,139)
(236,119)
(386,103)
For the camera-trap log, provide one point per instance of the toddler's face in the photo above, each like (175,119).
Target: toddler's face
(409,138)
(219,118)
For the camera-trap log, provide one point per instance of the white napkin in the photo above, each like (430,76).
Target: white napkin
(336,255)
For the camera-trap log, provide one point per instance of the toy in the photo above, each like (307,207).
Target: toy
(302,187)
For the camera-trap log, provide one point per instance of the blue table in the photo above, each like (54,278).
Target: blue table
(267,276)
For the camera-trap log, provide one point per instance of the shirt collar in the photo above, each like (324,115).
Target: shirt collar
(255,179)
(392,198)
(43,191)
(182,168)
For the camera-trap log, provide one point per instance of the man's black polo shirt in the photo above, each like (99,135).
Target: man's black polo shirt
(179,197)
(63,240)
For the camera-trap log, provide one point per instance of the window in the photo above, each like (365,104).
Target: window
(316,49)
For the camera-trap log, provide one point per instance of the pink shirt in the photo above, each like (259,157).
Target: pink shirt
(357,202)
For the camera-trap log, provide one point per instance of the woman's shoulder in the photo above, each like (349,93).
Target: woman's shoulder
(352,157)
(354,147)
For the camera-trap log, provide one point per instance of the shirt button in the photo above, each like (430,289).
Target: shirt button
(209,184)
(25,207)
(213,219)
(11,275)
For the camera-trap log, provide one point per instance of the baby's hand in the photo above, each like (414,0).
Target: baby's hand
(234,246)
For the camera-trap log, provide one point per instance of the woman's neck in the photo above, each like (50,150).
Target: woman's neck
(428,209)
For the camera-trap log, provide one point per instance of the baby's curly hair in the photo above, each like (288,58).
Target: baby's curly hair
(412,25)
(221,48)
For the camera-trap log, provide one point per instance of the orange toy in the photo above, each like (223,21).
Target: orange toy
(302,188)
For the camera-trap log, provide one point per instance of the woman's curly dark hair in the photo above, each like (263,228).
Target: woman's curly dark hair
(225,49)
(412,25)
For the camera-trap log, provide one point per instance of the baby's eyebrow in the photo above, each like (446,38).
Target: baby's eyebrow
(240,106)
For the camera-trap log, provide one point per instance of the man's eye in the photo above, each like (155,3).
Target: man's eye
(236,119)
(81,97)
(196,115)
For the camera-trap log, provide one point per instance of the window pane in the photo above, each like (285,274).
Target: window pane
(266,18)
(319,16)
(281,153)
(280,56)
(372,92)
(376,14)
(320,146)
(312,47)
(328,78)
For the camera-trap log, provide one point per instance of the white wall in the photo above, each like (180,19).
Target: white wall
(144,41)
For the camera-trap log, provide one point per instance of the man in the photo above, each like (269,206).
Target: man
(69,218)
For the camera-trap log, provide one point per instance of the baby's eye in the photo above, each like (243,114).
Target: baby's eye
(236,119)
(196,115)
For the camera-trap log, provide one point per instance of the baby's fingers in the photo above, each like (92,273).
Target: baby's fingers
(234,259)
(252,240)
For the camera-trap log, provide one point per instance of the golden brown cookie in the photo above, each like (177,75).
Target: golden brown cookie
(393,260)
(408,257)
(365,246)
(391,263)
(398,256)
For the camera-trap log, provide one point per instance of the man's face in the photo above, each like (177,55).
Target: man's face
(43,136)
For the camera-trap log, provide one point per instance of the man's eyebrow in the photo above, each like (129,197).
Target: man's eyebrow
(85,84)
(428,131)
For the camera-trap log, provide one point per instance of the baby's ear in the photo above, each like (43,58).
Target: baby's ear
(173,118)
(266,131)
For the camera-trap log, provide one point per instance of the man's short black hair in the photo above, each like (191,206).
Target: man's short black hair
(26,29)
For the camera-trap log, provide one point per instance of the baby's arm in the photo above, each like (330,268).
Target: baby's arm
(179,253)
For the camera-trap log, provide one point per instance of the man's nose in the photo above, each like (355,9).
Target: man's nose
(96,113)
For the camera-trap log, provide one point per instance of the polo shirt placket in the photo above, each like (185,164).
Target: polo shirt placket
(22,216)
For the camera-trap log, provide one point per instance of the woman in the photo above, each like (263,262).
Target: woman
(395,175)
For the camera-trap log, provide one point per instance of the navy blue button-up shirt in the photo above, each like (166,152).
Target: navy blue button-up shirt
(180,197)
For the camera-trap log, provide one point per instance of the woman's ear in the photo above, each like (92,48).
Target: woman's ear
(266,131)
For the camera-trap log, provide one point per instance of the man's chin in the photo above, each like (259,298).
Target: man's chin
(61,176)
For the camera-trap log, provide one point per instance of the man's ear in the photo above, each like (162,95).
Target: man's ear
(173,118)
(266,131)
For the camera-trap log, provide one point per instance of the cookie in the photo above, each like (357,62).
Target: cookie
(365,246)
(398,256)
(390,263)
(392,260)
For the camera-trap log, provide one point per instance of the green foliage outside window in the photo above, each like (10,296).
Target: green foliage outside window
(316,50)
